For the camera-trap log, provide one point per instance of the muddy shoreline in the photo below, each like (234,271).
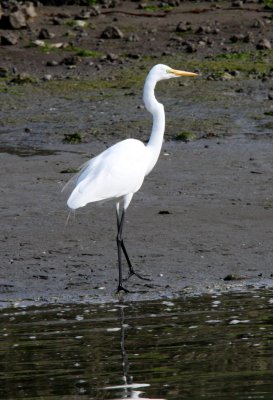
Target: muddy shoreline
(189,231)
(202,222)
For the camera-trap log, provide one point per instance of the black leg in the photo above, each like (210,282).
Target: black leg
(120,221)
(121,246)
(131,269)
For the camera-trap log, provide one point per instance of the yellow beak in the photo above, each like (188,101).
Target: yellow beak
(182,73)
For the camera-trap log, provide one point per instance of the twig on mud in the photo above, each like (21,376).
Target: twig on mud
(141,14)
(193,11)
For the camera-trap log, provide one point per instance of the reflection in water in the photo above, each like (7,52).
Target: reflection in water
(128,387)
(209,347)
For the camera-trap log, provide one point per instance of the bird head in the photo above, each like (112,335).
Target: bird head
(161,71)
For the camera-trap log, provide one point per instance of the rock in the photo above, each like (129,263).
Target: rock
(172,3)
(190,47)
(83,14)
(45,34)
(87,13)
(240,37)
(112,32)
(232,277)
(23,78)
(56,21)
(235,73)
(59,45)
(134,56)
(47,77)
(42,43)
(94,11)
(211,77)
(263,44)
(248,38)
(237,3)
(208,41)
(63,15)
(80,23)
(270,95)
(16,14)
(17,20)
(226,76)
(133,37)
(167,53)
(110,3)
(204,29)
(8,39)
(71,60)
(52,63)
(112,57)
(237,38)
(152,30)
(4,72)
(182,26)
(80,34)
(29,10)
(258,23)
(205,42)
(202,43)
(177,40)
(38,43)
(142,6)
(215,31)
(9,4)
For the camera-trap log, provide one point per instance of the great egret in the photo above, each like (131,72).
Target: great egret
(118,172)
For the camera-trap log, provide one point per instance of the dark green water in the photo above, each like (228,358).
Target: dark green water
(209,347)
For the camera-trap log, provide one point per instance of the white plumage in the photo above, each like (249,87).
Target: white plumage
(109,175)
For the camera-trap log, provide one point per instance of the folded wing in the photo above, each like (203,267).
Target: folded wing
(114,173)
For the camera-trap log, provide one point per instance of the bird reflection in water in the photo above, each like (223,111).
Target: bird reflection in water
(128,388)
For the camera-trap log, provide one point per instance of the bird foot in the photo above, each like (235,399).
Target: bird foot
(133,272)
(121,288)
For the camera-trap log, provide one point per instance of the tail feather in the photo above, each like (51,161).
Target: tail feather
(76,199)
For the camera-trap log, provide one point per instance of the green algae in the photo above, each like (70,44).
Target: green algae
(81,52)
(269,113)
(153,8)
(252,62)
(72,138)
(186,136)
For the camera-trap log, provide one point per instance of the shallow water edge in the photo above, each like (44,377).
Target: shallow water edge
(210,346)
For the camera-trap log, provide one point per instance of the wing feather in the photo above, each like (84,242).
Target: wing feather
(114,173)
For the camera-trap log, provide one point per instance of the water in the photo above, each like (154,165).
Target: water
(207,347)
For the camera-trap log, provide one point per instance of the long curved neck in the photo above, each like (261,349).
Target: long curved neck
(157,110)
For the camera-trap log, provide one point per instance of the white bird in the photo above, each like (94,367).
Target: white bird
(118,172)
